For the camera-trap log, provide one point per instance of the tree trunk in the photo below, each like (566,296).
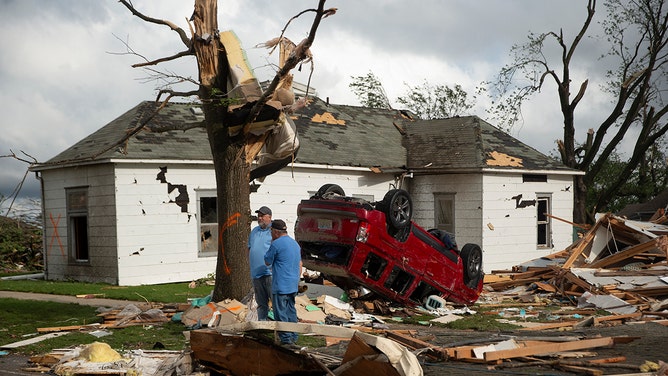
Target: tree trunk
(579,200)
(231,168)
(232,171)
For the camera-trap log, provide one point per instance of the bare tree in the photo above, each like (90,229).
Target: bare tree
(233,152)
(637,33)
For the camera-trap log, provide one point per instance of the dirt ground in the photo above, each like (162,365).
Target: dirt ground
(650,344)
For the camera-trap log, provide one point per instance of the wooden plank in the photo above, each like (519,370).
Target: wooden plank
(583,244)
(580,370)
(572,278)
(552,326)
(598,320)
(548,348)
(628,253)
(32,340)
(72,328)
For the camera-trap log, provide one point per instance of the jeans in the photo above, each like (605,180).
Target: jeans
(262,288)
(284,310)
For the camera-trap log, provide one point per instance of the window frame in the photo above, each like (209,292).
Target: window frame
(447,196)
(543,222)
(210,228)
(77,225)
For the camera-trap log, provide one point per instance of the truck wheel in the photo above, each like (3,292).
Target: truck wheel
(329,189)
(472,258)
(398,208)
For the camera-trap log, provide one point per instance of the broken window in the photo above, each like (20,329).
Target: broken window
(398,280)
(77,223)
(422,292)
(445,211)
(374,266)
(208,223)
(543,208)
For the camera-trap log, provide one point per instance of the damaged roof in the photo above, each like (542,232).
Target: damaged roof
(350,136)
(469,143)
(329,135)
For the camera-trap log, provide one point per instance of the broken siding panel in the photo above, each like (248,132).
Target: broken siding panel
(158,240)
(510,230)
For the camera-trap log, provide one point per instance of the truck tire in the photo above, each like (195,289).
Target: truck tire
(329,189)
(398,208)
(472,259)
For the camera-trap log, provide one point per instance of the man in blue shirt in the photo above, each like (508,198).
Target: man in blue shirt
(284,257)
(258,244)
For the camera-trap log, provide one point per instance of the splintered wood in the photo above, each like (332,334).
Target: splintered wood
(617,265)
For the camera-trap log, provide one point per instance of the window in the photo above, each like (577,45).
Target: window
(444,211)
(77,223)
(208,223)
(543,222)
(534,178)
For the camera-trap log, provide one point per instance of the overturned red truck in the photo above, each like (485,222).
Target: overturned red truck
(375,245)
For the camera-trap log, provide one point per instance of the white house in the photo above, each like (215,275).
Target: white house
(143,212)
(488,188)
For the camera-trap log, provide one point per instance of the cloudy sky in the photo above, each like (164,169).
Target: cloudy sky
(64,75)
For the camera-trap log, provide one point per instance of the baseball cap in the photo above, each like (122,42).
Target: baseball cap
(264,210)
(279,224)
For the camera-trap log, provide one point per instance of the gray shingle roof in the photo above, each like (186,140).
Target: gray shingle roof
(470,144)
(350,136)
(329,134)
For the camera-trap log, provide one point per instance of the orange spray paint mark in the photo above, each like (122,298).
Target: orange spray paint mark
(55,235)
(231,221)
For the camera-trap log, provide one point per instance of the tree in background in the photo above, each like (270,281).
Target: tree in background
(436,102)
(425,101)
(648,180)
(369,91)
(233,152)
(636,31)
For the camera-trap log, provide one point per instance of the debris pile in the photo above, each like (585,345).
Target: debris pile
(616,273)
(618,265)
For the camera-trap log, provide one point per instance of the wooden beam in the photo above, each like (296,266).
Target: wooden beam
(652,244)
(548,348)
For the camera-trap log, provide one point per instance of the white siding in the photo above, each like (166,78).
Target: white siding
(509,231)
(486,213)
(101,266)
(468,200)
(139,235)
(158,243)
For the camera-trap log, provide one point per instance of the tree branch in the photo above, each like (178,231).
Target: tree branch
(182,34)
(163,59)
(300,53)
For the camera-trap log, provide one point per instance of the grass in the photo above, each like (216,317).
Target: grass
(164,293)
(21,318)
(479,322)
